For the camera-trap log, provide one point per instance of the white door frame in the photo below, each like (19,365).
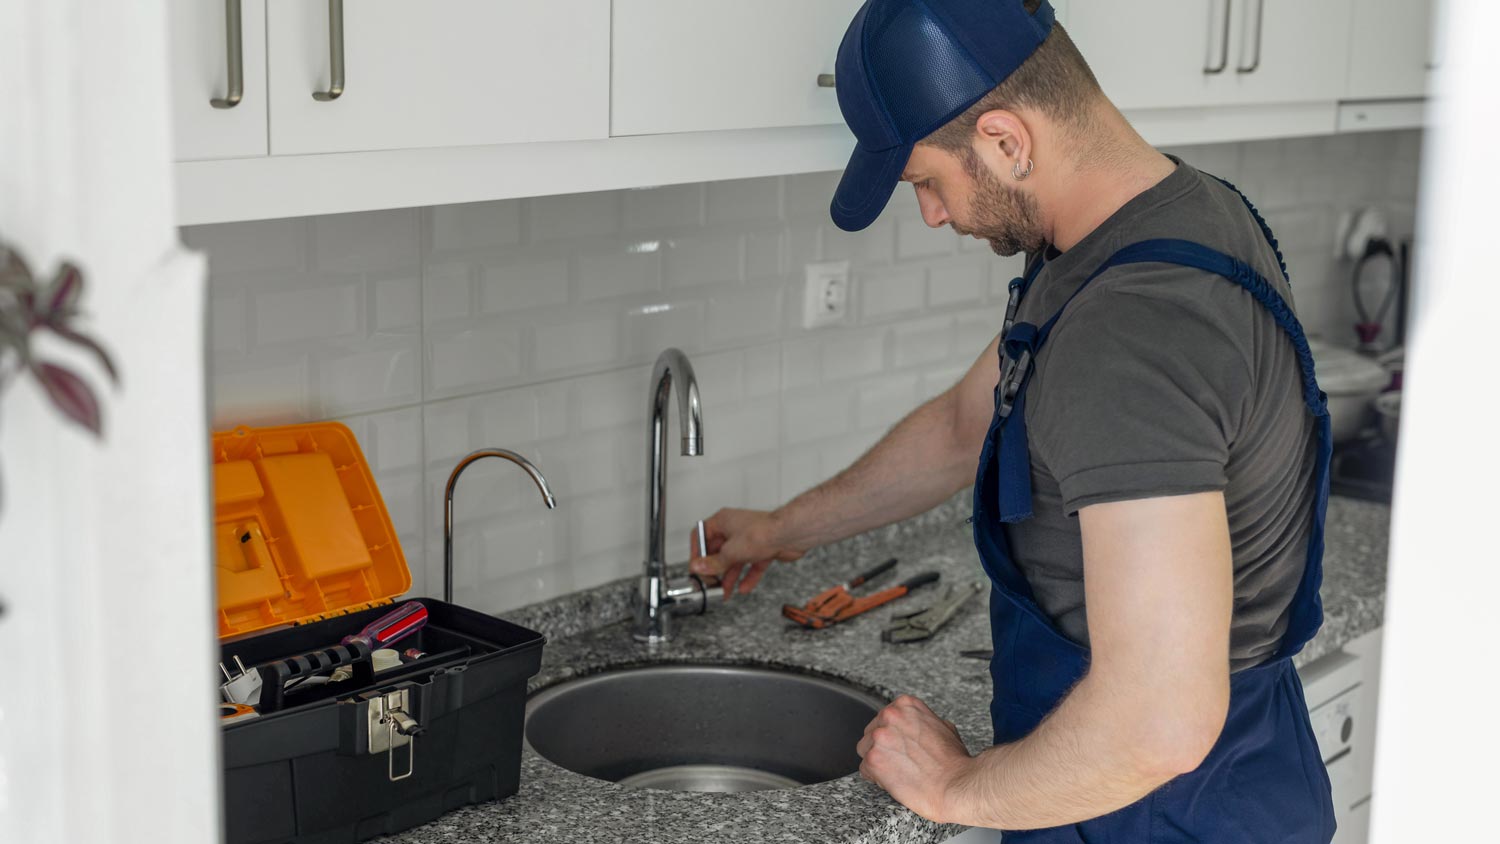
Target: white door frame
(107,716)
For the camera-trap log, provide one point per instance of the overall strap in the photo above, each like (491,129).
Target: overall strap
(1025,340)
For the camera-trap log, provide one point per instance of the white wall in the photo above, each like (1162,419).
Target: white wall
(531,324)
(107,725)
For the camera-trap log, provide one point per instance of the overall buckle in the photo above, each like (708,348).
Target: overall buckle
(1010,383)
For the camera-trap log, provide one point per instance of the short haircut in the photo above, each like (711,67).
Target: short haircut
(1055,80)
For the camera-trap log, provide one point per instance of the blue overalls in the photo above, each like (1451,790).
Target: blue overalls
(1264,780)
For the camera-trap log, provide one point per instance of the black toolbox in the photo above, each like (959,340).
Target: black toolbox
(304,539)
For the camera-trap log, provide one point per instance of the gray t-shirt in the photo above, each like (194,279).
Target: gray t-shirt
(1163,380)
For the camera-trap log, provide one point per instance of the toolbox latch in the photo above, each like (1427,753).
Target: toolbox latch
(391,726)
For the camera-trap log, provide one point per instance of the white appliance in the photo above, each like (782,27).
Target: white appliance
(1335,690)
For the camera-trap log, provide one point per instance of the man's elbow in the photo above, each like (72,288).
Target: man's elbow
(1178,738)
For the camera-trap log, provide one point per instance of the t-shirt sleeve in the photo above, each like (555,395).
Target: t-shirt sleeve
(1140,390)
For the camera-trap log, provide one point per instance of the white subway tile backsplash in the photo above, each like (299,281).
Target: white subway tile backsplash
(259,392)
(743,315)
(259,245)
(509,416)
(874,246)
(884,402)
(650,328)
(226,324)
(705,259)
(801,363)
(807,417)
(573,216)
(392,440)
(447,292)
(922,341)
(580,345)
(532,324)
(507,286)
(960,283)
(397,304)
(619,271)
(743,201)
(888,294)
(808,196)
(763,254)
(763,372)
(916,239)
(474,225)
(670,207)
(473,357)
(375,378)
(371,241)
(306,313)
(853,354)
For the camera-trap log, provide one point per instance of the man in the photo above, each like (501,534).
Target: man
(1151,443)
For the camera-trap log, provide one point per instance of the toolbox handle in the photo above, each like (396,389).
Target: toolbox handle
(275,675)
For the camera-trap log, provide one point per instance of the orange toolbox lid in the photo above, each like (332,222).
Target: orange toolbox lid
(300,530)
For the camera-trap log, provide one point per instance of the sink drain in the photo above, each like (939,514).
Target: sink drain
(716,778)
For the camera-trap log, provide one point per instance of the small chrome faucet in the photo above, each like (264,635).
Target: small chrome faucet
(536,476)
(657,600)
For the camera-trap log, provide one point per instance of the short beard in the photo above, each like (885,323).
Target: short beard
(1006,217)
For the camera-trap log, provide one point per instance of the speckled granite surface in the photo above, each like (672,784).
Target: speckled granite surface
(556,805)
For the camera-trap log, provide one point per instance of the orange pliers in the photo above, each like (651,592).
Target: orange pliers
(836,604)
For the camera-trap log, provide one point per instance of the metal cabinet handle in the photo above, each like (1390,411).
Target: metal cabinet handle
(825,80)
(235,42)
(1260,32)
(335,53)
(1211,70)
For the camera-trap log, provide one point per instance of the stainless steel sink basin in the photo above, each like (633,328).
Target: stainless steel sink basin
(701,728)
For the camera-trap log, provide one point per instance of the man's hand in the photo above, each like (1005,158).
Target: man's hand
(916,756)
(742,544)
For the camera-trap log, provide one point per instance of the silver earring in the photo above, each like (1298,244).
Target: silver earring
(1020,175)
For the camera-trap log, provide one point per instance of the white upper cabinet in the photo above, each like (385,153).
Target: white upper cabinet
(1194,53)
(1289,51)
(697,65)
(213,43)
(1392,51)
(436,73)
(1153,53)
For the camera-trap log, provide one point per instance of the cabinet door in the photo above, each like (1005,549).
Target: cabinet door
(438,73)
(1391,53)
(200,41)
(1289,51)
(1156,53)
(697,65)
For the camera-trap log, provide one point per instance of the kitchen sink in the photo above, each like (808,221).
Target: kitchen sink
(702,727)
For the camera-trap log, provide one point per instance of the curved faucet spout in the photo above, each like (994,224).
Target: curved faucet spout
(672,366)
(504,454)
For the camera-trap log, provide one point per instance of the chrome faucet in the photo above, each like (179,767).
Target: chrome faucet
(657,600)
(536,477)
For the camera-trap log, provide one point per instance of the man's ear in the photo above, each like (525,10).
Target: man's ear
(1002,138)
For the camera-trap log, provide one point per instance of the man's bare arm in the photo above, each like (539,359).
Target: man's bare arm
(1159,590)
(921,462)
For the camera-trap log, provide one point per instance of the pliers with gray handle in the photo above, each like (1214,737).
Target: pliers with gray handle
(921,624)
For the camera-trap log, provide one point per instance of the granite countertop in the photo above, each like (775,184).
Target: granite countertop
(557,805)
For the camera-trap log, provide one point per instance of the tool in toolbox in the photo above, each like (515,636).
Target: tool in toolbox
(837,604)
(922,624)
(316,746)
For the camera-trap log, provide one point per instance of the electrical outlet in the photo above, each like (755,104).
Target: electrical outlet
(826,297)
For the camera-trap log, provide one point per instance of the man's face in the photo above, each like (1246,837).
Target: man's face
(961,191)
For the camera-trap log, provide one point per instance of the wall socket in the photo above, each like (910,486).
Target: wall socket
(826,297)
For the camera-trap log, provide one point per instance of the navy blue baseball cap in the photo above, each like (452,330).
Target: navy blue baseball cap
(906,68)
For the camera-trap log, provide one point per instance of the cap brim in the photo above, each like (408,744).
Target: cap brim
(867,185)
